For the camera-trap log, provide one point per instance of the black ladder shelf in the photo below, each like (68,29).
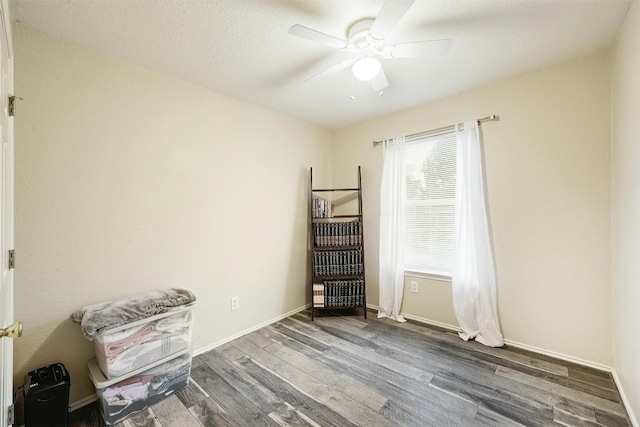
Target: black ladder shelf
(337,247)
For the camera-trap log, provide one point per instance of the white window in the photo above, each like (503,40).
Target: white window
(430,205)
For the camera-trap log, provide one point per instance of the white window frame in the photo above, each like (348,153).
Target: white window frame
(425,270)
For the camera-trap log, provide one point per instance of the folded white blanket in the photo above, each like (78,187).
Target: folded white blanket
(100,317)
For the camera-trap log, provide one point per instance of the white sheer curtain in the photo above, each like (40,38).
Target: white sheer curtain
(392,191)
(473,275)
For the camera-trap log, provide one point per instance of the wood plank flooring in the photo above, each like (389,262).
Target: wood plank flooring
(344,371)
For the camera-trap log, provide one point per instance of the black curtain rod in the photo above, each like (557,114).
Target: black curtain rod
(443,129)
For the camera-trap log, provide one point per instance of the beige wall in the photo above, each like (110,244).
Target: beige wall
(548,174)
(626,209)
(128,180)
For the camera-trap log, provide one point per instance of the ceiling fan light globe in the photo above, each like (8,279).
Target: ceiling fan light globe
(366,69)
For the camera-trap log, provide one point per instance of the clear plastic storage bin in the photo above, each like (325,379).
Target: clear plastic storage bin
(135,345)
(122,397)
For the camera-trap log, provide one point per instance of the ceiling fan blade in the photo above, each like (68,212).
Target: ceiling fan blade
(317,36)
(391,13)
(413,49)
(379,82)
(332,70)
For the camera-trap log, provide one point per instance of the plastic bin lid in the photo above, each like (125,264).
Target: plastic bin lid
(167,313)
(100,381)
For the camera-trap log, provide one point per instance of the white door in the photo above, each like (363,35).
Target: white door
(6,214)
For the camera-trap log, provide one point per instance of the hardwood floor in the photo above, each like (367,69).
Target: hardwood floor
(344,371)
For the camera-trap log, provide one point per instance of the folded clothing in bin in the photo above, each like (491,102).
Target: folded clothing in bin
(125,396)
(129,347)
(111,314)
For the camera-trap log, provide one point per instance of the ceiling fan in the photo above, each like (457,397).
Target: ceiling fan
(367,42)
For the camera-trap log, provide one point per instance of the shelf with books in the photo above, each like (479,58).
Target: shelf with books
(337,245)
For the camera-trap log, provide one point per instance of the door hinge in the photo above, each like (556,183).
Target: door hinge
(10,416)
(11,106)
(12,258)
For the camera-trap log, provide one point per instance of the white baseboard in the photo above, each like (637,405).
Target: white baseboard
(446,326)
(82,402)
(419,319)
(560,356)
(247,331)
(625,401)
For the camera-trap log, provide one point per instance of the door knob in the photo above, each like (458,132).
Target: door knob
(13,331)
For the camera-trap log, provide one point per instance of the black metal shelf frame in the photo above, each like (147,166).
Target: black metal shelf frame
(325,281)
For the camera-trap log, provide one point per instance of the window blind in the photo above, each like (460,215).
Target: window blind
(430,204)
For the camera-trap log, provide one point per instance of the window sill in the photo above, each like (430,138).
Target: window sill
(431,276)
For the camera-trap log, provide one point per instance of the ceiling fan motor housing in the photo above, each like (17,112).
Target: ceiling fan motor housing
(360,39)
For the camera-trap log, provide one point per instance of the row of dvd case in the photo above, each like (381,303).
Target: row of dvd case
(326,263)
(338,233)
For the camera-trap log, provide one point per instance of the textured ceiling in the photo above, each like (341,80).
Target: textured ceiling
(241,47)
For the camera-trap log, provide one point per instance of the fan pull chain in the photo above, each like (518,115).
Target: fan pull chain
(353,96)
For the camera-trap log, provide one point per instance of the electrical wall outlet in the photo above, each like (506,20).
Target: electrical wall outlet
(235,303)
(414,286)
